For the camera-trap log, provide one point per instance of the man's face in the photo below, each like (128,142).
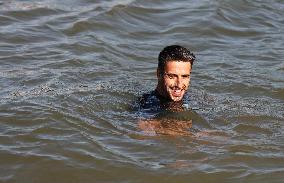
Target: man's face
(174,82)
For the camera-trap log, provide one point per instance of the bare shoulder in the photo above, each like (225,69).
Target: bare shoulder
(165,127)
(171,127)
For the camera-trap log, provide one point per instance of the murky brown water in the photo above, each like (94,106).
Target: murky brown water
(70,71)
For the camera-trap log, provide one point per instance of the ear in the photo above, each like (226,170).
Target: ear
(158,73)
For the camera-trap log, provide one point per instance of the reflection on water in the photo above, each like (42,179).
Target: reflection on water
(70,72)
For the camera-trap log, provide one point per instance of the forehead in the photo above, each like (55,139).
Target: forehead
(178,67)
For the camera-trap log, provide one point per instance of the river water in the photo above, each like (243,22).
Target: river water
(71,70)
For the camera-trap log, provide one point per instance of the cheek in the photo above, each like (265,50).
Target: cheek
(168,83)
(186,83)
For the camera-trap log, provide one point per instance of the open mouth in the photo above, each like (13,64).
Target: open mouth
(177,92)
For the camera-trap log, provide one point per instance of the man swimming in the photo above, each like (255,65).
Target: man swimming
(173,74)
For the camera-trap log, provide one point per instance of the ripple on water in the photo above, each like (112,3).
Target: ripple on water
(70,72)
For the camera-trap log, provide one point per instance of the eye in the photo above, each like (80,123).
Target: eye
(170,76)
(185,76)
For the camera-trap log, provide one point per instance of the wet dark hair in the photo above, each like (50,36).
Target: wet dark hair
(174,53)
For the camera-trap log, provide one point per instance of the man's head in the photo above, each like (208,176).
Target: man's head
(174,68)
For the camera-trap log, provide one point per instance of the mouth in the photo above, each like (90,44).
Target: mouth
(177,92)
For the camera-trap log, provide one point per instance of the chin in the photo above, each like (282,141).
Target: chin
(176,99)
(172,96)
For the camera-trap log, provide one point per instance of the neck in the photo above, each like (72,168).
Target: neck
(160,92)
(167,103)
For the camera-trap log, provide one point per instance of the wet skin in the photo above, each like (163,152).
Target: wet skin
(174,81)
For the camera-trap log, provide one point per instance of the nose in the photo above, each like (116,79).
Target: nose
(179,82)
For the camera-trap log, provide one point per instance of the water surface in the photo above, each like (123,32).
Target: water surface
(70,72)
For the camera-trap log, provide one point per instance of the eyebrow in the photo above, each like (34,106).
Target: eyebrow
(185,75)
(175,75)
